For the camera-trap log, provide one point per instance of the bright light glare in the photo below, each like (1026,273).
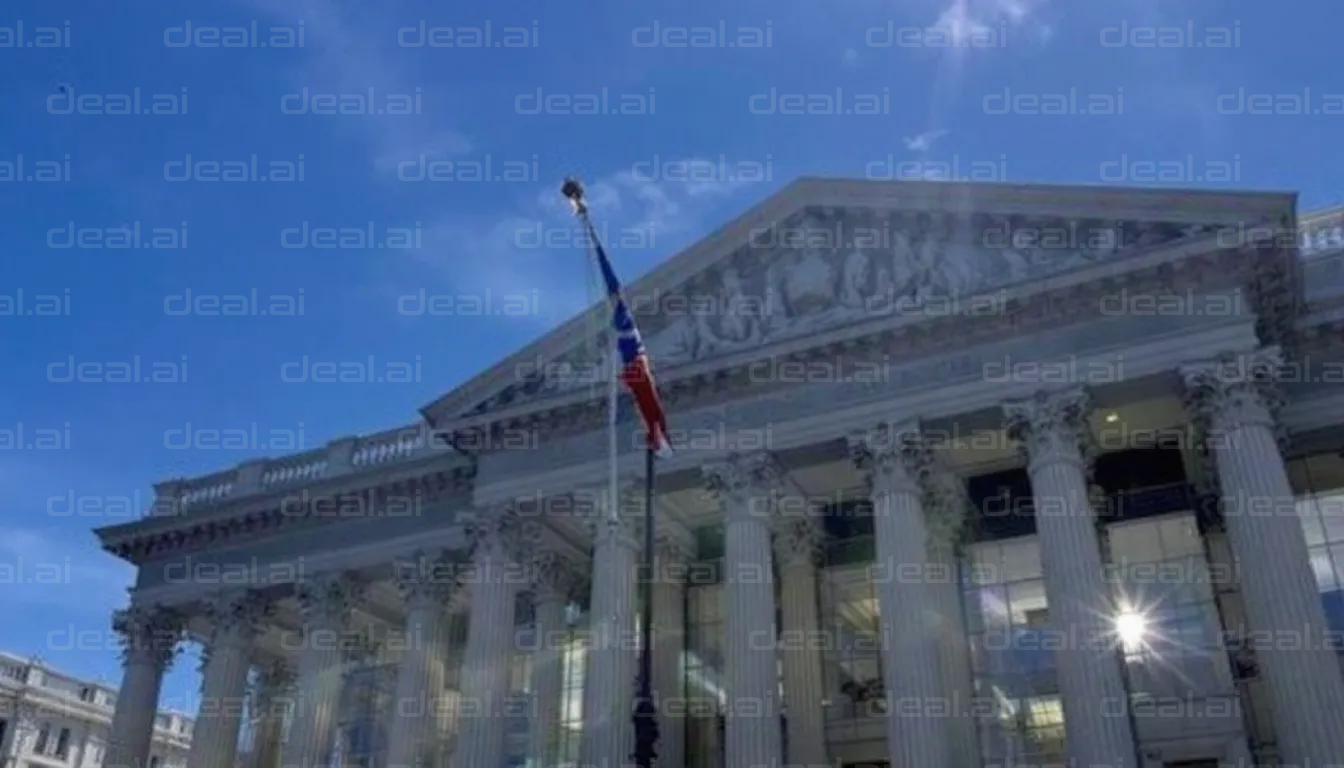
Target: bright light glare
(1132,628)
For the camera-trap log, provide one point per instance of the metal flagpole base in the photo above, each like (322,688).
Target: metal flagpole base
(646,712)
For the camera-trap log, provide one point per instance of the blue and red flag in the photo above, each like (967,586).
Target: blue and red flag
(636,372)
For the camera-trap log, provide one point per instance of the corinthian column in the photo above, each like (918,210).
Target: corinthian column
(274,695)
(427,582)
(669,643)
(150,636)
(1053,430)
(236,619)
(746,488)
(1233,399)
(327,602)
(609,675)
(898,461)
(554,578)
(947,505)
(494,578)
(798,550)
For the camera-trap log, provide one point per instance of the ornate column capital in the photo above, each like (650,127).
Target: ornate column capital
(747,486)
(624,525)
(674,543)
(498,533)
(236,617)
(1233,390)
(276,678)
(329,598)
(149,633)
(895,456)
(1052,426)
(947,507)
(555,577)
(427,578)
(798,540)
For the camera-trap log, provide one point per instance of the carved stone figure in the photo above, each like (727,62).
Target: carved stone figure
(774,313)
(903,264)
(810,280)
(677,343)
(854,281)
(739,324)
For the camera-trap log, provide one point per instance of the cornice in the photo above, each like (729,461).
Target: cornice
(257,517)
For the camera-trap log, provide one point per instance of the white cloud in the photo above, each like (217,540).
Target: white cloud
(960,24)
(344,57)
(983,19)
(924,141)
(538,246)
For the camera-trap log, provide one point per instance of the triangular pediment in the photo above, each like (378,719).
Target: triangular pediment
(822,255)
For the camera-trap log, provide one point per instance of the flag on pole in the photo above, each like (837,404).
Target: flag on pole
(635,372)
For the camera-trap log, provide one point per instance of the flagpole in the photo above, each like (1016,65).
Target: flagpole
(645,712)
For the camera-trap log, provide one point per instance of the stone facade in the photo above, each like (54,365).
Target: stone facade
(845,345)
(51,717)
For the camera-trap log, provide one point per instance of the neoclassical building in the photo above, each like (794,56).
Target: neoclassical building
(51,718)
(966,475)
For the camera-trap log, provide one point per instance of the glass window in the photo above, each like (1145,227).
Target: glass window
(1007,619)
(852,661)
(1323,568)
(1320,506)
(63,744)
(43,736)
(1021,561)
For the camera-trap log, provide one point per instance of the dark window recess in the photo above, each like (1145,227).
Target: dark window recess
(849,533)
(1136,468)
(1003,505)
(709,542)
(1143,482)
(849,520)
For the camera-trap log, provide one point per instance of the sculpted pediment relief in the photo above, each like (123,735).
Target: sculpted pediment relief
(826,268)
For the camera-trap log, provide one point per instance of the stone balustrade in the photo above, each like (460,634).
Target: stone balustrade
(339,457)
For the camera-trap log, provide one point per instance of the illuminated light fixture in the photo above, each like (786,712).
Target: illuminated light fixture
(1132,629)
(1112,417)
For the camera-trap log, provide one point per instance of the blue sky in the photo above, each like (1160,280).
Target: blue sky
(969,103)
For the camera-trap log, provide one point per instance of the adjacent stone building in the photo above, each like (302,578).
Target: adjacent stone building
(50,719)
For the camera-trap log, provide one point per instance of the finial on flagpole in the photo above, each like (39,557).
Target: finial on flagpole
(573,190)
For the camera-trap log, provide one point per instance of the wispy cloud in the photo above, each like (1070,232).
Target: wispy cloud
(343,58)
(54,569)
(538,246)
(964,19)
(924,141)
